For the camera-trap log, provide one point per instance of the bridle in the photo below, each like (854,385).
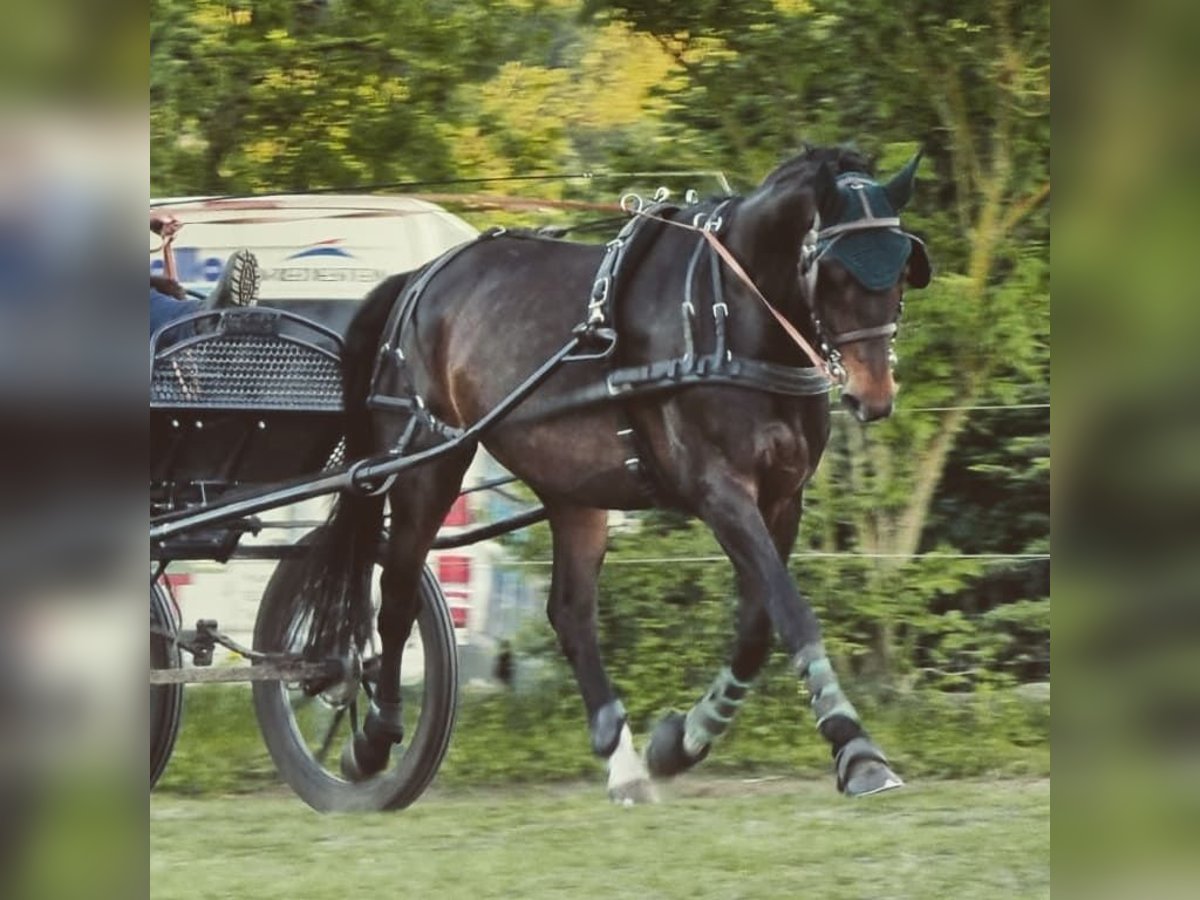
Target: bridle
(820,241)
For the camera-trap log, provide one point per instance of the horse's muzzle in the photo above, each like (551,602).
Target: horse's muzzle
(867,411)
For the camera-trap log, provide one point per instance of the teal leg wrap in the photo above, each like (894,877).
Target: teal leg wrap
(710,717)
(827,698)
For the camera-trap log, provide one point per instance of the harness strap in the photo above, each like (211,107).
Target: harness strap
(599,309)
(735,370)
(398,320)
(689,305)
(681,372)
(415,405)
(863,334)
(402,312)
(792,332)
(730,260)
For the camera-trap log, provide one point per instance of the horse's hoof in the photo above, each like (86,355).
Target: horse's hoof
(638,792)
(665,756)
(870,776)
(862,769)
(362,758)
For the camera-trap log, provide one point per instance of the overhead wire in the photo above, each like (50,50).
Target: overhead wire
(802,555)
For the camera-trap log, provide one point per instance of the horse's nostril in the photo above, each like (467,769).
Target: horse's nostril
(865,412)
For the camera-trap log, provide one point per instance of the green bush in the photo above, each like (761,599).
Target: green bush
(541,735)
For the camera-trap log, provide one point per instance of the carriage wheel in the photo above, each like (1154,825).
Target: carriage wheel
(305,734)
(166,700)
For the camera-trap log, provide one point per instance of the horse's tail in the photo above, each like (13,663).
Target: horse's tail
(336,586)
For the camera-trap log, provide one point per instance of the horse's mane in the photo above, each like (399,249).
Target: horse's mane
(840,159)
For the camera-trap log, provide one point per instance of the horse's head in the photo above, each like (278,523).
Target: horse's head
(853,263)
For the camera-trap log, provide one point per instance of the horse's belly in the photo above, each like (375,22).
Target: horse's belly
(578,458)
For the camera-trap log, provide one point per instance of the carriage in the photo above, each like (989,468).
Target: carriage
(725,418)
(239,399)
(243,399)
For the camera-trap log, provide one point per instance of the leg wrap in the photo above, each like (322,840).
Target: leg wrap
(385,721)
(827,698)
(710,717)
(606,728)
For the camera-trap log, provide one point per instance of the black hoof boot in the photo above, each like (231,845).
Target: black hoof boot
(368,752)
(665,756)
(862,769)
(362,757)
(606,728)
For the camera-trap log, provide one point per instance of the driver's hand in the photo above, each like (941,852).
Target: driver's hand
(165,225)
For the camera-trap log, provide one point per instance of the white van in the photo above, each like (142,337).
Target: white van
(319,253)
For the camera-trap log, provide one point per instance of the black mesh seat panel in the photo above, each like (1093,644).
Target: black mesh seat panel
(247,359)
(241,397)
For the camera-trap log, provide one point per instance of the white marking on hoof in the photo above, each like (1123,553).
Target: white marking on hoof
(628,779)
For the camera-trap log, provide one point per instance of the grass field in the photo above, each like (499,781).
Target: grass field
(710,838)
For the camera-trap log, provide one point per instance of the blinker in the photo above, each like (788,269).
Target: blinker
(866,238)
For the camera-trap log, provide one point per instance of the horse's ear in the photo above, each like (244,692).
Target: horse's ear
(919,268)
(825,194)
(899,190)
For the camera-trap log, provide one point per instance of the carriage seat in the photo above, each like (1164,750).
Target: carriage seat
(241,396)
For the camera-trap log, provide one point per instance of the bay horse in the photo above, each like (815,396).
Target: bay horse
(695,397)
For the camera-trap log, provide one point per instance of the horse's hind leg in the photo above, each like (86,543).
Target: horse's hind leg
(731,512)
(419,502)
(681,740)
(580,538)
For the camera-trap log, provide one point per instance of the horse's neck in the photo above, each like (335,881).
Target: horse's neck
(776,275)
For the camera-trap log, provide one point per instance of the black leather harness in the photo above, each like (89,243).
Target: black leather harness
(717,365)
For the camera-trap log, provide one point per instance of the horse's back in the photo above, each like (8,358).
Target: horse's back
(495,314)
(506,285)
(485,323)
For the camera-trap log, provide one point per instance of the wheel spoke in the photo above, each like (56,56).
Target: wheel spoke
(323,751)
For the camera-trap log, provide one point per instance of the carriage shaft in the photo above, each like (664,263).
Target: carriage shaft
(282,671)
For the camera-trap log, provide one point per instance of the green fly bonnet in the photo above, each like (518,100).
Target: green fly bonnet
(866,237)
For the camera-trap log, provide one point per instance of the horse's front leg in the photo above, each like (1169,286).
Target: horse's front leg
(730,510)
(681,740)
(580,537)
